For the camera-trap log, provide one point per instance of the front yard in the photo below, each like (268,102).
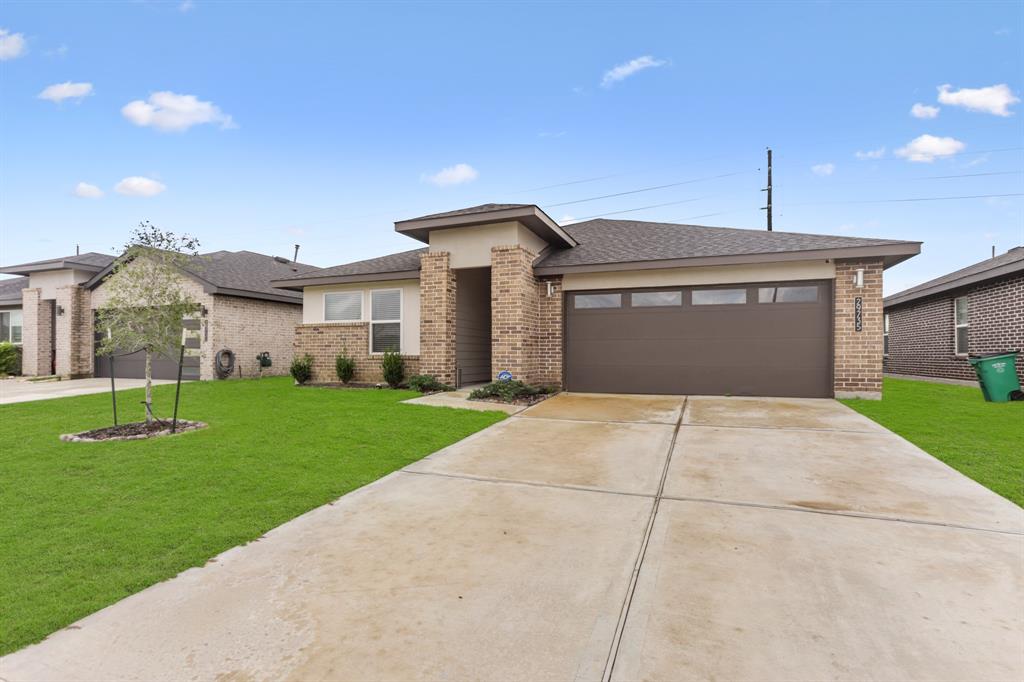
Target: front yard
(984,441)
(86,524)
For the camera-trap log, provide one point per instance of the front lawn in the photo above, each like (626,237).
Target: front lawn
(86,524)
(954,423)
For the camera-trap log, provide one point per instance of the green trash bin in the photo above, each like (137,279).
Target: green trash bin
(997,374)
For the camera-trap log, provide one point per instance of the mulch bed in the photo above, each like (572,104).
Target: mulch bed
(132,431)
(525,401)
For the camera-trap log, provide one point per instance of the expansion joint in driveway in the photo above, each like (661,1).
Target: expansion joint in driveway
(532,484)
(613,650)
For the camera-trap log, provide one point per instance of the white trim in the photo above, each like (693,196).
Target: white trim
(957,327)
(10,326)
(400,321)
(351,291)
(885,335)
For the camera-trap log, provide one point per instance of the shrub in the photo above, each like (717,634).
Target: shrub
(426,383)
(10,358)
(508,391)
(302,368)
(393,367)
(345,366)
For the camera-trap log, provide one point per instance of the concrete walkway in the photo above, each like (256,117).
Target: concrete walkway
(22,390)
(603,538)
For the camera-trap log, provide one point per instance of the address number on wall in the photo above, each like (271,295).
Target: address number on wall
(858,313)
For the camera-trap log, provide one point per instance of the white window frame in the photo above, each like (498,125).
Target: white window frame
(400,321)
(10,326)
(358,292)
(885,334)
(957,326)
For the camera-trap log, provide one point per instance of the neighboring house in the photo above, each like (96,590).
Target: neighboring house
(609,306)
(10,309)
(933,327)
(240,311)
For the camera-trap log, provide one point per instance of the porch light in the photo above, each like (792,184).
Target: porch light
(858,278)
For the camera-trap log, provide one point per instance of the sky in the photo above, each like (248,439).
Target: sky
(263,125)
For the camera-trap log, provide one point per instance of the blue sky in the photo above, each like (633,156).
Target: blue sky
(258,126)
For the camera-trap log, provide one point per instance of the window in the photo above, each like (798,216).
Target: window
(10,326)
(654,299)
(581,301)
(885,334)
(386,320)
(718,296)
(961,325)
(343,306)
(787,294)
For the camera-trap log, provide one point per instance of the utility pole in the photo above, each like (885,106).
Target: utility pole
(769,190)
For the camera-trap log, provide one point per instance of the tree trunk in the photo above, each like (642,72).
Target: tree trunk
(149,386)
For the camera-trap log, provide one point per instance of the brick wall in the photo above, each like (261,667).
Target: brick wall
(514,312)
(922,336)
(326,340)
(74,334)
(858,355)
(437,316)
(249,326)
(548,346)
(36,343)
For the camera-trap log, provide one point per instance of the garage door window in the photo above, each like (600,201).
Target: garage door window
(718,296)
(592,301)
(787,295)
(656,299)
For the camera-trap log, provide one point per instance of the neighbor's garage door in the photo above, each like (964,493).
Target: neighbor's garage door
(133,365)
(762,340)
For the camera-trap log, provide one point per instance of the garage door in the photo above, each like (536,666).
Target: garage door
(770,339)
(133,365)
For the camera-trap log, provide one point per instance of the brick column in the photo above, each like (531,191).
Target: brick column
(437,316)
(858,354)
(549,346)
(35,335)
(513,312)
(74,332)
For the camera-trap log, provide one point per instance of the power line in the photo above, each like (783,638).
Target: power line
(618,175)
(968,175)
(641,208)
(646,189)
(912,199)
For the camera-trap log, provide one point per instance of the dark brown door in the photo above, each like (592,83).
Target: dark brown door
(133,365)
(772,339)
(473,325)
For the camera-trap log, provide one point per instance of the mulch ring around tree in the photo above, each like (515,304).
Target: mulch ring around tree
(132,431)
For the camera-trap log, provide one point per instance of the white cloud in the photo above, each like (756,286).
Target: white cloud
(994,99)
(87,191)
(927,148)
(624,71)
(171,112)
(924,111)
(61,51)
(137,186)
(870,154)
(12,45)
(453,175)
(186,6)
(544,133)
(62,91)
(823,169)
(296,232)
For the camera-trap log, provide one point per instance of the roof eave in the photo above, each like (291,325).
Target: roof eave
(298,284)
(535,220)
(891,255)
(27,269)
(977,278)
(259,295)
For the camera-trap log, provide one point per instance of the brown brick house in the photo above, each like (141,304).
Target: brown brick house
(54,301)
(932,328)
(609,306)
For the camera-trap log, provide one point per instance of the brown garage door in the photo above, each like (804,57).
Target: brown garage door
(771,339)
(133,365)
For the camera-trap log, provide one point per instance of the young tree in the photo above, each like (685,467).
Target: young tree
(145,298)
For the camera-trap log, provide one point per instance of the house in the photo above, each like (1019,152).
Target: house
(931,329)
(56,304)
(608,306)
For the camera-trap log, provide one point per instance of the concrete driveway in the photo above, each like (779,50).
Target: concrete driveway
(21,390)
(596,538)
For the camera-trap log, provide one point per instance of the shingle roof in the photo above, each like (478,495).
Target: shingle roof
(10,289)
(247,271)
(1003,264)
(626,241)
(397,262)
(482,208)
(88,261)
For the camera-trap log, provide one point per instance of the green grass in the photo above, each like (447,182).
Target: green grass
(954,423)
(85,524)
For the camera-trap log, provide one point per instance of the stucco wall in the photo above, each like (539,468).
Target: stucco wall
(50,280)
(470,247)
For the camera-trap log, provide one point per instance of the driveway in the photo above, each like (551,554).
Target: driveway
(21,390)
(603,537)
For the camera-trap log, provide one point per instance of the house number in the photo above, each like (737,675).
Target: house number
(858,313)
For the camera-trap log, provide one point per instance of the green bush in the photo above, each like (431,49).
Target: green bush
(508,391)
(10,358)
(345,366)
(393,367)
(302,368)
(426,383)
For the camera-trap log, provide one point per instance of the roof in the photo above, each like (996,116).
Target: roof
(404,265)
(10,290)
(528,215)
(472,210)
(628,244)
(90,262)
(1004,264)
(238,273)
